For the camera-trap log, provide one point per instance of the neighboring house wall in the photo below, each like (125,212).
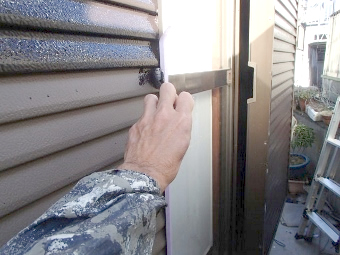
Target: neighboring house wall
(331,71)
(57,126)
(272,53)
(280,113)
(313,16)
(308,66)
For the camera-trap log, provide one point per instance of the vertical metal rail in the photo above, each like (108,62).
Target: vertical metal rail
(245,91)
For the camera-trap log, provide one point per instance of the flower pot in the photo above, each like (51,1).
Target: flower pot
(296,187)
(326,119)
(297,170)
(302,104)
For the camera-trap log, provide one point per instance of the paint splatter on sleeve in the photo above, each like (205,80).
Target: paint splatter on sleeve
(111,212)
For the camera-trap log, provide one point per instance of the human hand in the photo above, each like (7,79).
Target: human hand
(158,141)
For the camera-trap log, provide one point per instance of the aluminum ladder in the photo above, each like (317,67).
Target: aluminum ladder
(323,182)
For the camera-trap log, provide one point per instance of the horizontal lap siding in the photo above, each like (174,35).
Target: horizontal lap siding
(24,52)
(281,113)
(73,79)
(148,6)
(35,138)
(80,16)
(29,96)
(282,68)
(283,57)
(281,46)
(16,220)
(25,183)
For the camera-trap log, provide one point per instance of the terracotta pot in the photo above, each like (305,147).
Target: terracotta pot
(296,187)
(327,120)
(302,104)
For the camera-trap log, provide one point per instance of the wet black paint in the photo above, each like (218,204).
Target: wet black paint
(153,76)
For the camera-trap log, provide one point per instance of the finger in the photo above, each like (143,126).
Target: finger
(150,105)
(167,95)
(185,103)
(175,101)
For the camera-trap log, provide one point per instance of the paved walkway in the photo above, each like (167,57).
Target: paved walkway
(287,244)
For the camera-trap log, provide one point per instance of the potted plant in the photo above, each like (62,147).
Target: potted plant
(303,96)
(326,116)
(303,137)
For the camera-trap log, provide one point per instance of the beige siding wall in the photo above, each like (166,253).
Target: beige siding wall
(57,127)
(42,157)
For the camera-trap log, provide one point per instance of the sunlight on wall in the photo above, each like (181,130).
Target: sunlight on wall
(189,34)
(189,45)
(302,62)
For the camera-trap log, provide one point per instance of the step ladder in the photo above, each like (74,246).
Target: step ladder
(323,182)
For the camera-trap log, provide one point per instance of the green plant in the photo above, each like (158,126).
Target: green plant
(303,137)
(305,93)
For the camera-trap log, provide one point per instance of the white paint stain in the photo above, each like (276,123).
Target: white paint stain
(56,245)
(60,236)
(90,197)
(138,184)
(147,197)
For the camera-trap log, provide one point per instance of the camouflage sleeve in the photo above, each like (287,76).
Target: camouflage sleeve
(111,212)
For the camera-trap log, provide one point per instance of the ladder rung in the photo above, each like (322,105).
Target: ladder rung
(320,223)
(330,185)
(334,142)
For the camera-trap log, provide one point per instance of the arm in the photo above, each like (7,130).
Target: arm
(111,212)
(114,212)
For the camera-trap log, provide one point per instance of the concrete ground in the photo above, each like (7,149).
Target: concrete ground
(285,243)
